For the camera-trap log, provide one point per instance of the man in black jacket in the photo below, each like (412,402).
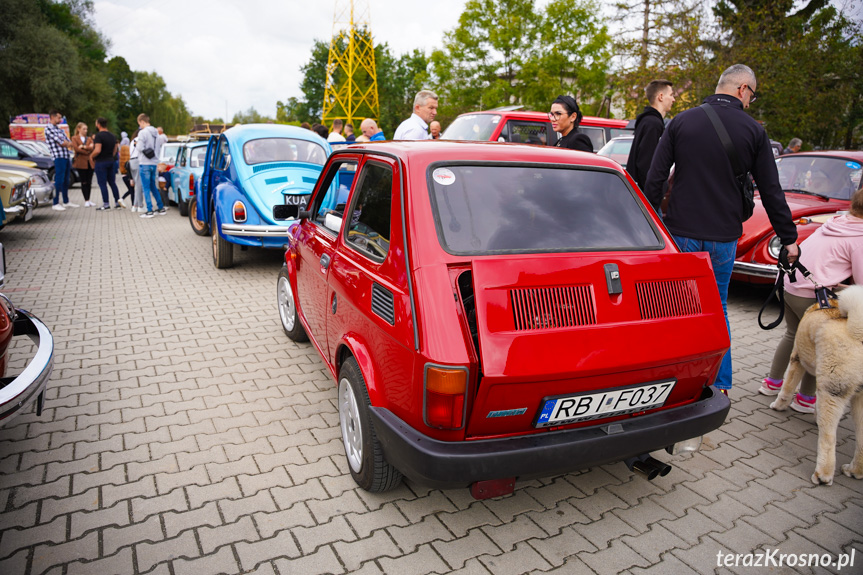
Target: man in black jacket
(705,212)
(649,126)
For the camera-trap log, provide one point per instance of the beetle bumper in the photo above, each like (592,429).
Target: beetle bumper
(453,464)
(757,270)
(254,230)
(18,392)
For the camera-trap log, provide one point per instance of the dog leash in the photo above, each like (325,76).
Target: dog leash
(823,294)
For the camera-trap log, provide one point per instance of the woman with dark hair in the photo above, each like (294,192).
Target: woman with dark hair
(565,117)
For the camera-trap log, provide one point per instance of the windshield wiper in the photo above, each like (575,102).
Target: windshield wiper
(808,193)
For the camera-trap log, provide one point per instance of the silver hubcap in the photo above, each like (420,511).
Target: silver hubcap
(286,304)
(352,430)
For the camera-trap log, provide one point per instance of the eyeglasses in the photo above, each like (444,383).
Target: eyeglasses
(553,116)
(754,95)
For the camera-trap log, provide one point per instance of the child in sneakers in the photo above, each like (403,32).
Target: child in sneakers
(832,254)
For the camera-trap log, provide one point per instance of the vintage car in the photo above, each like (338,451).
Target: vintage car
(18,201)
(40,185)
(186,173)
(13,150)
(18,392)
(618,149)
(497,311)
(519,126)
(817,186)
(256,178)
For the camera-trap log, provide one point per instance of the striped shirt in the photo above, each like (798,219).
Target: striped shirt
(55,137)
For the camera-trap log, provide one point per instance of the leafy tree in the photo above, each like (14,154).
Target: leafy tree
(250,116)
(127,101)
(164,109)
(399,79)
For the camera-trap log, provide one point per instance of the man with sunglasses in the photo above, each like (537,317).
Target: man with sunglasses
(705,211)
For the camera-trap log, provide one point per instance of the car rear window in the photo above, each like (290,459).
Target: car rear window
(490,209)
(265,150)
(477,127)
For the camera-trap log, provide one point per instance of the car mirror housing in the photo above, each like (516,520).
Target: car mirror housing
(304,214)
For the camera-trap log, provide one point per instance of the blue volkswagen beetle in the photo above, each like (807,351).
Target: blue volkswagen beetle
(256,179)
(186,173)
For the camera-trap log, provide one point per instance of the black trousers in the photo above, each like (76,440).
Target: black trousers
(86,176)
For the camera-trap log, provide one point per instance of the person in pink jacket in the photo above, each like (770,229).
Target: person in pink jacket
(833,254)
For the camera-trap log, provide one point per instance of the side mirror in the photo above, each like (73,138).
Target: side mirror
(304,214)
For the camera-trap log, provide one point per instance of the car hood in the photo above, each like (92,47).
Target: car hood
(267,187)
(756,227)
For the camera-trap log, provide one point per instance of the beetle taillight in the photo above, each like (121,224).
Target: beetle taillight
(445,393)
(191,184)
(239,211)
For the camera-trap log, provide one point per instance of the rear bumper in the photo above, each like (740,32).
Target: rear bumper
(757,270)
(19,392)
(256,231)
(454,464)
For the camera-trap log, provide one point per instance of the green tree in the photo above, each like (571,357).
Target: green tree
(399,79)
(127,102)
(250,116)
(164,109)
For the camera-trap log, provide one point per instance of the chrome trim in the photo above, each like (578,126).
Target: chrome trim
(250,230)
(758,270)
(31,382)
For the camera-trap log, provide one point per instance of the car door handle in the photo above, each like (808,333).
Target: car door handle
(325,261)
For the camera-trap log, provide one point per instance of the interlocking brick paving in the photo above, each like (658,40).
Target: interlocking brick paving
(184,433)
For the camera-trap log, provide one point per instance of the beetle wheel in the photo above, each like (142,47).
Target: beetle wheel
(288,308)
(223,250)
(199,227)
(369,468)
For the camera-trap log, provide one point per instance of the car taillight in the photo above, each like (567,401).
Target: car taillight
(191,184)
(239,211)
(445,391)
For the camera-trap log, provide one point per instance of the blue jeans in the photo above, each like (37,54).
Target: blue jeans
(62,173)
(722,258)
(149,186)
(106,176)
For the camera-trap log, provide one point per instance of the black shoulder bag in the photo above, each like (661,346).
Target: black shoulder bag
(744,179)
(150,153)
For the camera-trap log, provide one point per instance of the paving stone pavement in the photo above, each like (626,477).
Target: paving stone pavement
(184,433)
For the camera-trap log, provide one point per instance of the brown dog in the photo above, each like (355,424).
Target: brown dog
(829,345)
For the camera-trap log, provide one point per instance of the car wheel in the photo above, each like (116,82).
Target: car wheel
(288,308)
(183,207)
(369,468)
(223,250)
(199,227)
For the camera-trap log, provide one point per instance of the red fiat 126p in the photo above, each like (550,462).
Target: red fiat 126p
(498,311)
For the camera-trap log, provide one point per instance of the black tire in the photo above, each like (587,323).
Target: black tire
(287,304)
(199,227)
(183,207)
(369,468)
(223,250)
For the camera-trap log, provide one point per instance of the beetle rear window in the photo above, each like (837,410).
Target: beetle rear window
(530,209)
(265,150)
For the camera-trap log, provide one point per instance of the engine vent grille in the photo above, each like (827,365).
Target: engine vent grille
(668,299)
(383,303)
(272,166)
(553,307)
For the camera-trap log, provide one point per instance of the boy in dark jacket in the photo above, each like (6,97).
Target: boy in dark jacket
(649,126)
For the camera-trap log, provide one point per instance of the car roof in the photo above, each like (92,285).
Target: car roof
(855,155)
(243,133)
(543,117)
(429,151)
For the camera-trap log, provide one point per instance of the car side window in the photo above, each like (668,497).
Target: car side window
(596,135)
(8,151)
(527,132)
(328,207)
(223,157)
(368,230)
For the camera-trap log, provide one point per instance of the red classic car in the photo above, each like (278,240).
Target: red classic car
(510,124)
(495,311)
(817,185)
(28,387)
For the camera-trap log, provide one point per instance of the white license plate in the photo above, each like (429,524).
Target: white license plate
(584,407)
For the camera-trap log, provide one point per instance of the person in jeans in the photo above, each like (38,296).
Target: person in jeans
(82,146)
(103,156)
(60,146)
(149,145)
(832,254)
(705,213)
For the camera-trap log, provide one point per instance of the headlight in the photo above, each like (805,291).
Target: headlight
(35,181)
(774,247)
(18,195)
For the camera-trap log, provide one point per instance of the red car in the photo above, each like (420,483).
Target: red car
(522,127)
(817,186)
(494,311)
(17,393)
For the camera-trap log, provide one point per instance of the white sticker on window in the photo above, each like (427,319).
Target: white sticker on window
(444,177)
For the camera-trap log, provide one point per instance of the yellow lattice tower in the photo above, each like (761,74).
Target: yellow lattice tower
(351,90)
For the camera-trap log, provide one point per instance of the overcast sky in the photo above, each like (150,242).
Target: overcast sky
(235,54)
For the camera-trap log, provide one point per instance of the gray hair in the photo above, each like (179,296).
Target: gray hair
(795,142)
(734,76)
(424,96)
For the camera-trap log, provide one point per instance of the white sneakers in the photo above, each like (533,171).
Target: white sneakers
(71,205)
(121,203)
(89,204)
(58,207)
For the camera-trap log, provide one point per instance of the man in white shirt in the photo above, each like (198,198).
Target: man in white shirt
(336,134)
(416,127)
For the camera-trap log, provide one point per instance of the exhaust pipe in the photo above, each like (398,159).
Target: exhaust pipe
(661,467)
(640,464)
